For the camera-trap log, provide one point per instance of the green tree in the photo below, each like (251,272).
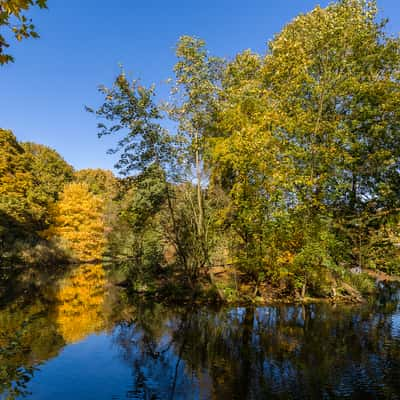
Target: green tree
(333,74)
(129,107)
(195,93)
(145,151)
(306,138)
(50,172)
(101,182)
(244,158)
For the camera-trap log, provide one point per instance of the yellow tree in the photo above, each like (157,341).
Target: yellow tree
(77,222)
(15,179)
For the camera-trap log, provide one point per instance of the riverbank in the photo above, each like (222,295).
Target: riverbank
(229,287)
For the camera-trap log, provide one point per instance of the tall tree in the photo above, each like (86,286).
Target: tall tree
(334,77)
(334,74)
(147,150)
(195,93)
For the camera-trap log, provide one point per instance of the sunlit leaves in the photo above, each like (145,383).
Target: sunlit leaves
(77,222)
(12,16)
(129,110)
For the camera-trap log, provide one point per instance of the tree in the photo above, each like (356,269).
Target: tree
(145,152)
(12,16)
(298,150)
(31,177)
(243,155)
(129,108)
(50,172)
(148,147)
(306,137)
(195,94)
(333,73)
(15,179)
(77,222)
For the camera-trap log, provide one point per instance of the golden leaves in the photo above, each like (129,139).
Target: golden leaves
(77,222)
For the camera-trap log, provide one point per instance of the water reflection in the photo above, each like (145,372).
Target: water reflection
(272,352)
(28,336)
(80,303)
(36,325)
(155,352)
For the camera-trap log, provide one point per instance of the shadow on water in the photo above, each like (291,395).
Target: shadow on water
(288,351)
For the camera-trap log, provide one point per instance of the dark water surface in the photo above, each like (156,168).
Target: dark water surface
(79,340)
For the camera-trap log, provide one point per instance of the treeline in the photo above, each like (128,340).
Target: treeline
(282,168)
(49,212)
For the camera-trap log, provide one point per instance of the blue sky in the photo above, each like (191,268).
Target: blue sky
(82,42)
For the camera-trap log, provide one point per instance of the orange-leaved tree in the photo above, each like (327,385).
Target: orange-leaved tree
(77,222)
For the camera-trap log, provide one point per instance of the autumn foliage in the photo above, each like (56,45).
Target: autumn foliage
(77,222)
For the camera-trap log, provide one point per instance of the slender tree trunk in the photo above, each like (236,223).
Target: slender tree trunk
(200,204)
(353,200)
(200,222)
(303,289)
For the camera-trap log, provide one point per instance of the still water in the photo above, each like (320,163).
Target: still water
(82,339)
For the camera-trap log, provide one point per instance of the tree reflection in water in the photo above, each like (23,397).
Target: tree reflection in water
(80,303)
(256,353)
(36,325)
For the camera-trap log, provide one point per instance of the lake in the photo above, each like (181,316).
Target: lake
(82,338)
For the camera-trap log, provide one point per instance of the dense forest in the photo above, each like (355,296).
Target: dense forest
(263,176)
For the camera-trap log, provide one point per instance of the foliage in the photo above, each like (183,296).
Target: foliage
(282,167)
(15,179)
(197,77)
(101,182)
(129,107)
(31,177)
(291,157)
(50,172)
(136,234)
(12,16)
(77,222)
(307,137)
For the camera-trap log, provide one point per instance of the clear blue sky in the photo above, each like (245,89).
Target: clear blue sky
(42,95)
